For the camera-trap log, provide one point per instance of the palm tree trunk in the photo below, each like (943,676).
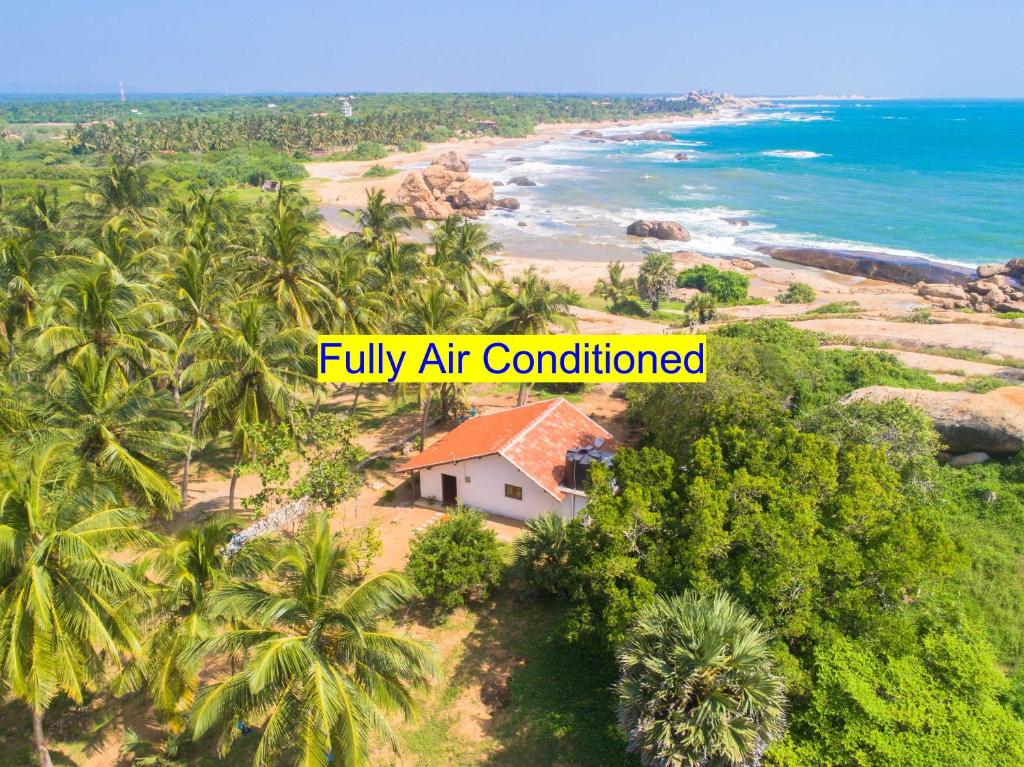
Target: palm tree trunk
(37,730)
(423,418)
(355,400)
(196,411)
(234,481)
(524,394)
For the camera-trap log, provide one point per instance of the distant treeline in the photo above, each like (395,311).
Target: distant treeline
(317,124)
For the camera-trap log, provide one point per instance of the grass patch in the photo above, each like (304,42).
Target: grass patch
(1009,315)
(836,308)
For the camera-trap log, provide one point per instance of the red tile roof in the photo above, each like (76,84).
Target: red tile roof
(534,438)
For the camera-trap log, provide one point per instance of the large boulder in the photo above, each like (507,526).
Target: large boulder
(588,133)
(453,161)
(967,422)
(473,194)
(508,203)
(438,177)
(662,230)
(432,210)
(990,270)
(414,189)
(521,181)
(1015,268)
(647,135)
(943,290)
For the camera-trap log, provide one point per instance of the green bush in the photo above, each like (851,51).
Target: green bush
(455,560)
(726,287)
(410,145)
(379,171)
(797,293)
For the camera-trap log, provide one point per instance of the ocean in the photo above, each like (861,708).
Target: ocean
(941,179)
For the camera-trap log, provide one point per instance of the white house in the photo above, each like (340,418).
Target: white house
(517,463)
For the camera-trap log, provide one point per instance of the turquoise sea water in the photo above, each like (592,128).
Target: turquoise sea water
(944,179)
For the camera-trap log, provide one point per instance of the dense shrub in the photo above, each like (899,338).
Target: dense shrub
(455,560)
(797,293)
(726,287)
(366,150)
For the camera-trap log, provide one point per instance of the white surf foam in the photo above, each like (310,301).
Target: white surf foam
(794,154)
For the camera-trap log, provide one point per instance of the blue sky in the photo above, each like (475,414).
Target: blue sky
(899,47)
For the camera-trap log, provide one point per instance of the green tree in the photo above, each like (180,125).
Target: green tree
(656,279)
(797,293)
(320,675)
(68,607)
(542,554)
(698,685)
(704,306)
(379,219)
(458,558)
(247,371)
(529,305)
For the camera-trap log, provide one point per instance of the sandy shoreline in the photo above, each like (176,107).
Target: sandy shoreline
(340,185)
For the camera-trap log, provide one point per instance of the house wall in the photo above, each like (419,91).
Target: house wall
(481,484)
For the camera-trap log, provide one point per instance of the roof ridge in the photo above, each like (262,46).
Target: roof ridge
(554,403)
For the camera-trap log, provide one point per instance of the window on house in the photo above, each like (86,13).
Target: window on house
(514,491)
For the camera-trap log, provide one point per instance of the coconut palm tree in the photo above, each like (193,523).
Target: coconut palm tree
(435,310)
(113,428)
(124,192)
(379,219)
(284,260)
(68,607)
(698,684)
(461,255)
(320,676)
(187,571)
(93,309)
(399,265)
(529,305)
(247,371)
(616,288)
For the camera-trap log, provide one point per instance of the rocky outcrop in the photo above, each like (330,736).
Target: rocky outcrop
(662,230)
(647,135)
(736,221)
(997,289)
(1015,268)
(967,422)
(443,188)
(472,194)
(521,181)
(514,160)
(681,157)
(588,133)
(508,203)
(908,270)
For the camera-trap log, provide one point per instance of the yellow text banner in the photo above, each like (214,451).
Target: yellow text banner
(512,359)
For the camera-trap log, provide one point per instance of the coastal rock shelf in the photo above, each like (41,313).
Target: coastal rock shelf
(907,270)
(660,230)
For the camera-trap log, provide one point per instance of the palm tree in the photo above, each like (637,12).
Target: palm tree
(399,265)
(542,553)
(461,255)
(187,572)
(656,279)
(122,192)
(320,676)
(616,288)
(68,607)
(93,309)
(379,218)
(284,260)
(698,684)
(435,310)
(530,305)
(113,428)
(247,371)
(703,305)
